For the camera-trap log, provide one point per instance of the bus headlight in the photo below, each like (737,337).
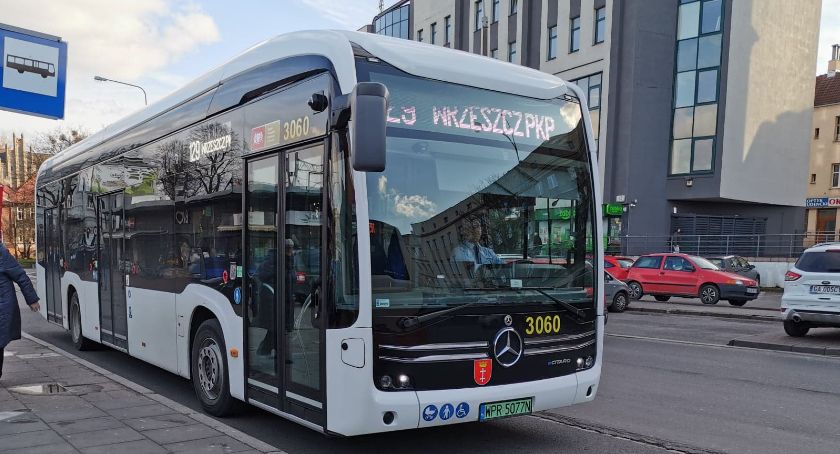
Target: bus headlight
(589,361)
(579,363)
(403,381)
(385,382)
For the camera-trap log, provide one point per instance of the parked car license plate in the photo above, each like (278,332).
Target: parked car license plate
(752,290)
(826,289)
(506,408)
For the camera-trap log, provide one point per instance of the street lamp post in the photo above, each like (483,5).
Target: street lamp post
(105,79)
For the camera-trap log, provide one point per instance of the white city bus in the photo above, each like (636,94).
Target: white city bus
(358,233)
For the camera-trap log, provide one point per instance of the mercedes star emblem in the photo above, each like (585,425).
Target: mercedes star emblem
(507,347)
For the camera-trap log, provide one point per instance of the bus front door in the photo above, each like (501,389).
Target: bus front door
(111,271)
(53,266)
(283,246)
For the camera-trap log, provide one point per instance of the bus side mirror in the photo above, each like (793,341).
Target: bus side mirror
(368,114)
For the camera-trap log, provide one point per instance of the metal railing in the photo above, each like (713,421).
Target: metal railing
(765,247)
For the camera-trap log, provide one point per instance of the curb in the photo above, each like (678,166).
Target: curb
(236,434)
(758,345)
(768,318)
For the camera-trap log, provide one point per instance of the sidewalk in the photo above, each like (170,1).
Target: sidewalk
(90,410)
(765,307)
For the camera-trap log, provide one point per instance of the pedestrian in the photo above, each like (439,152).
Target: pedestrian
(675,240)
(11,271)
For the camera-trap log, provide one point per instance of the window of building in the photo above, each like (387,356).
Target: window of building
(600,24)
(393,23)
(514,7)
(574,35)
(447,29)
(420,35)
(696,84)
(433,33)
(591,86)
(479,13)
(552,43)
(494,53)
(836,129)
(816,133)
(813,178)
(495,11)
(835,175)
(512,52)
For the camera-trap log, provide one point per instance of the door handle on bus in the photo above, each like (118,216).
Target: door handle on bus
(315,309)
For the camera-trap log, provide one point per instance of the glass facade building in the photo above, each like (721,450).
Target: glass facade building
(394,22)
(696,87)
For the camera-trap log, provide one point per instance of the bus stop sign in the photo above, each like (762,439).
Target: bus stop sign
(34,72)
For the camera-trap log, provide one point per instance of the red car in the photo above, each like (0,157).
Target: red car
(667,275)
(618,266)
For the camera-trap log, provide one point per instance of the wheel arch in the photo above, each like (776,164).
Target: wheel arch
(71,289)
(715,285)
(199,315)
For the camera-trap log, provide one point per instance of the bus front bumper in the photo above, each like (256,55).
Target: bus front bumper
(442,407)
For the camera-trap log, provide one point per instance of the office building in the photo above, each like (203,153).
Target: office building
(701,108)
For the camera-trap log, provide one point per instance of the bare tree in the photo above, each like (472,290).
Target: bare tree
(58,139)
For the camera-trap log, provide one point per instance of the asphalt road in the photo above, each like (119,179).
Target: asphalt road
(668,384)
(671,377)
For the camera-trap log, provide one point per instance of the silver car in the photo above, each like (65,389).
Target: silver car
(616,293)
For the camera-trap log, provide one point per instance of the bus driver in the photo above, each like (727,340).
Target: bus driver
(470,249)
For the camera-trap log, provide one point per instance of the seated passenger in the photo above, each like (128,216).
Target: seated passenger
(470,249)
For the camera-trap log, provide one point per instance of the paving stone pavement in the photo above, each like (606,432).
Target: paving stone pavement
(95,411)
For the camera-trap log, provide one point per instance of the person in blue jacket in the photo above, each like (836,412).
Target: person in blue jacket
(11,272)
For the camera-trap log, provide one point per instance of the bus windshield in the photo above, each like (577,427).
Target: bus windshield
(486,197)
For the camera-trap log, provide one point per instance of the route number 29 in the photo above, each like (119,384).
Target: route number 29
(546,324)
(295,129)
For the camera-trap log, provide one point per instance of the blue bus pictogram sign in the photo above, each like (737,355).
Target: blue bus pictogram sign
(33,72)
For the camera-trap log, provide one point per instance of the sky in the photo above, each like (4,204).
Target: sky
(163,44)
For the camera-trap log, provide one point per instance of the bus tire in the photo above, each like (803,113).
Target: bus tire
(79,341)
(210,369)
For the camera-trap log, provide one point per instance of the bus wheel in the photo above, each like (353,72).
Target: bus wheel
(79,341)
(209,369)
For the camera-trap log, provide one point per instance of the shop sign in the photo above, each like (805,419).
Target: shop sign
(613,209)
(818,202)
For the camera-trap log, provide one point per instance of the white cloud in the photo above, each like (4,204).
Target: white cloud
(350,14)
(829,33)
(124,40)
(415,206)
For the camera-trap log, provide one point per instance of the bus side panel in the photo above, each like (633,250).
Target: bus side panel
(67,280)
(193,296)
(367,403)
(41,288)
(88,303)
(152,326)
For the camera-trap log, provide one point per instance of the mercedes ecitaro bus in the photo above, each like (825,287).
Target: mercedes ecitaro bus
(358,233)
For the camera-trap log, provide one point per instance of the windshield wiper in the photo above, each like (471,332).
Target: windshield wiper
(407,323)
(576,312)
